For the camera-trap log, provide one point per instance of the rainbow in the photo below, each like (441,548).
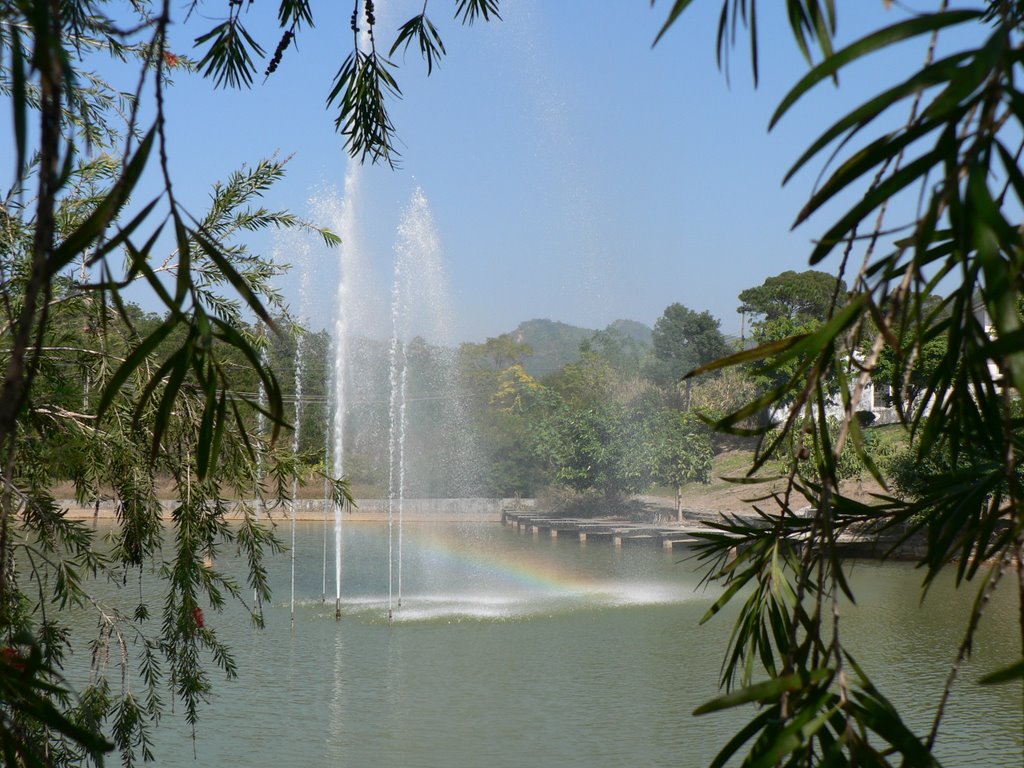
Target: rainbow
(519,567)
(451,577)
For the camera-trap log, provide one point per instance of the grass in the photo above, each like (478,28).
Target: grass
(735,462)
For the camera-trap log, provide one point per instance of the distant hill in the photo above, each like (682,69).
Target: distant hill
(557,344)
(634,330)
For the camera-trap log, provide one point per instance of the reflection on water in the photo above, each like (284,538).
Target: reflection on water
(514,651)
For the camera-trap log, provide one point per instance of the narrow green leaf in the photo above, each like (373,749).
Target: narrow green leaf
(92,228)
(183,283)
(875,41)
(207,424)
(863,161)
(807,721)
(124,232)
(766,691)
(233,277)
(966,80)
(162,420)
(727,596)
(131,363)
(761,352)
(1004,675)
(743,736)
(19,98)
(866,113)
(677,9)
(220,420)
(905,176)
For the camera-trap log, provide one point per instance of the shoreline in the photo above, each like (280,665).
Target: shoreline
(466,510)
(655,526)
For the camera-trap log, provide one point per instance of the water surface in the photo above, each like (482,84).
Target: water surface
(511,650)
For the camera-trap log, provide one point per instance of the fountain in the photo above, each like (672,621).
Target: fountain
(261,434)
(299,253)
(350,297)
(295,451)
(396,403)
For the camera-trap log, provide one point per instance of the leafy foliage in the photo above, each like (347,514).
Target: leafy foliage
(683,451)
(683,340)
(426,35)
(115,401)
(361,86)
(594,430)
(365,82)
(955,362)
(799,297)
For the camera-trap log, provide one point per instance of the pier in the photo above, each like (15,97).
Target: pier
(618,533)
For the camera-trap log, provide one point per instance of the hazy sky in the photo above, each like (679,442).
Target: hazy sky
(573,173)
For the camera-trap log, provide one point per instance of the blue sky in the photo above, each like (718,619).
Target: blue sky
(573,172)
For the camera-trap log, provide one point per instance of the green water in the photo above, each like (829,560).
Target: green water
(510,650)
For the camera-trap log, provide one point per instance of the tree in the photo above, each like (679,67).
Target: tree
(623,353)
(909,373)
(313,349)
(138,411)
(683,452)
(908,363)
(798,297)
(604,447)
(499,392)
(593,429)
(785,306)
(683,340)
(495,354)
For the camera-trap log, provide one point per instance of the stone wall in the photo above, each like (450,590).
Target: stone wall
(412,510)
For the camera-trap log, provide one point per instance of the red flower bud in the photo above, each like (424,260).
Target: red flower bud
(13,658)
(197,614)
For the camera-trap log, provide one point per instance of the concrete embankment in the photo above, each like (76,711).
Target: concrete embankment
(524,516)
(681,535)
(470,510)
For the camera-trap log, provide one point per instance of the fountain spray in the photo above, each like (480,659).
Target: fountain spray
(295,452)
(261,431)
(348,257)
(396,370)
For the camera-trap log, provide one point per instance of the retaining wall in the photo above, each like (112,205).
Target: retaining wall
(413,510)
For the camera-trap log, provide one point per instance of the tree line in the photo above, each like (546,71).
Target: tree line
(616,421)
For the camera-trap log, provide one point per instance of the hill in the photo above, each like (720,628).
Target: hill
(556,344)
(634,330)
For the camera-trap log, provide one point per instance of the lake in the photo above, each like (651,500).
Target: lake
(511,650)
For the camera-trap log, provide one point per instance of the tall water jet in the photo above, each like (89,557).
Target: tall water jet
(326,505)
(397,378)
(296,433)
(419,305)
(346,314)
(438,447)
(261,431)
(402,422)
(299,253)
